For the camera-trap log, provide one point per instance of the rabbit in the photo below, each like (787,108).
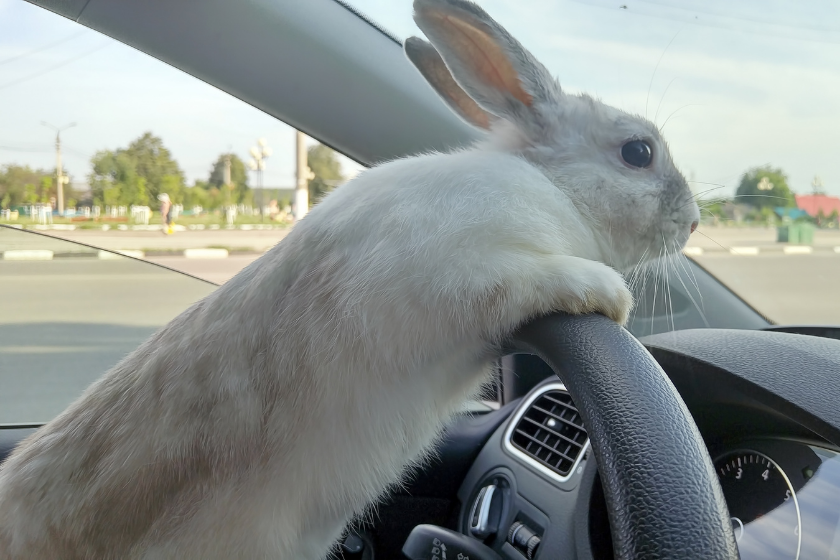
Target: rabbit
(267,416)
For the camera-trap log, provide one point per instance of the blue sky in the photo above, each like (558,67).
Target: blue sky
(747,83)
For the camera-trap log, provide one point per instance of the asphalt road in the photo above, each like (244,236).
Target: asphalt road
(217,271)
(64,322)
(789,289)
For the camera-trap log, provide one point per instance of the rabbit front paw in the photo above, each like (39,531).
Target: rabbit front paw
(597,288)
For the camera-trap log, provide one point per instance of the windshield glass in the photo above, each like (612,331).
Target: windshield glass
(109,147)
(103,145)
(745,94)
(69,313)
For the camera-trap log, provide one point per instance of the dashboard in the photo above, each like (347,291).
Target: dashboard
(523,480)
(534,489)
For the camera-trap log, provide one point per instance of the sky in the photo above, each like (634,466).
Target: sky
(114,94)
(734,85)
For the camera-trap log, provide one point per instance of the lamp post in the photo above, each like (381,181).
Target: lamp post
(259,154)
(60,178)
(303,175)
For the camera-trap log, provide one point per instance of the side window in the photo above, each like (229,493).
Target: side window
(69,312)
(104,147)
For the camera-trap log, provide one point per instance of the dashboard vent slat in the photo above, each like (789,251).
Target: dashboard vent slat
(560,418)
(549,431)
(552,432)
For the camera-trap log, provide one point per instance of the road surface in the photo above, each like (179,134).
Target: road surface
(64,322)
(217,271)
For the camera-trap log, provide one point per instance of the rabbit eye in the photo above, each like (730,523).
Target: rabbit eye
(637,153)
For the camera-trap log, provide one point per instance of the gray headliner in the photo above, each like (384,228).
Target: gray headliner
(316,65)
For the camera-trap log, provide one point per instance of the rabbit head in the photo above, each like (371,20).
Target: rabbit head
(615,167)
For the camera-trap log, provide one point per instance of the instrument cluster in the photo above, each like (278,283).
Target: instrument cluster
(783,498)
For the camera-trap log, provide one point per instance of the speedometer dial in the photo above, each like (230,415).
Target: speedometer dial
(763,506)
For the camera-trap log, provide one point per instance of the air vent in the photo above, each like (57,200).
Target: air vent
(547,432)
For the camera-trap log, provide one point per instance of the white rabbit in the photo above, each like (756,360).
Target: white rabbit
(263,418)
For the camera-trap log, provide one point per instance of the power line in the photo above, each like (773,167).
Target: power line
(55,67)
(75,152)
(759,21)
(709,23)
(44,48)
(69,149)
(19,149)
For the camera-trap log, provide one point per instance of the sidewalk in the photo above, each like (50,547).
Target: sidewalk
(155,242)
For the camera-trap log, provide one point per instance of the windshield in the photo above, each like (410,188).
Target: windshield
(108,147)
(745,94)
(69,313)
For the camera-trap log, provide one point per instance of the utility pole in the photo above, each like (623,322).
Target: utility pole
(259,154)
(227,178)
(304,174)
(60,178)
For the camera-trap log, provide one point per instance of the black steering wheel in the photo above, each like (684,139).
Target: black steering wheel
(663,498)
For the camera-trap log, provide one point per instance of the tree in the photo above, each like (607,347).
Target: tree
(765,187)
(323,162)
(238,177)
(46,189)
(196,195)
(19,185)
(833,218)
(114,180)
(30,194)
(154,163)
(136,174)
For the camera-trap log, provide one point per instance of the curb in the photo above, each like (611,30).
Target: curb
(799,250)
(28,255)
(218,253)
(119,254)
(751,251)
(206,253)
(744,251)
(141,227)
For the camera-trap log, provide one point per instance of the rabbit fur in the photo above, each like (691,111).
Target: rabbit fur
(260,421)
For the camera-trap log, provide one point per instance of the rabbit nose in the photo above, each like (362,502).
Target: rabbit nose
(693,226)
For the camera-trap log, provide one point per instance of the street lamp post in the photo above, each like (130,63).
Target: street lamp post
(303,175)
(259,154)
(60,178)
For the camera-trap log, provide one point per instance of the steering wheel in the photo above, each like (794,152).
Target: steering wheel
(663,497)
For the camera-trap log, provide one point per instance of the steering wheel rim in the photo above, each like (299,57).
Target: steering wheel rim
(663,497)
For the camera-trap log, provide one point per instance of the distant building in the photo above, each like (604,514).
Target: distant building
(813,203)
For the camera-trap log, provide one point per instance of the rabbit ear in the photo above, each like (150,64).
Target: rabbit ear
(428,61)
(491,66)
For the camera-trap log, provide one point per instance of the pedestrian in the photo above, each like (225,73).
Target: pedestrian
(166,212)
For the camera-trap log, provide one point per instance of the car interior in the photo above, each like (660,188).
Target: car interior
(551,468)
